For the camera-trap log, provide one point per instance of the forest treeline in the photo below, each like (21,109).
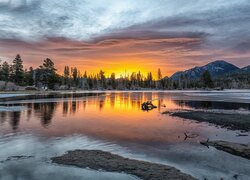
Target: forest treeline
(46,77)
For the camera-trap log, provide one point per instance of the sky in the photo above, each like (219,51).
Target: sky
(125,35)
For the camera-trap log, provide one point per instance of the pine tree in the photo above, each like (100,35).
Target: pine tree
(85,74)
(17,70)
(49,76)
(66,75)
(113,81)
(102,79)
(160,80)
(29,77)
(159,74)
(74,74)
(5,72)
(207,80)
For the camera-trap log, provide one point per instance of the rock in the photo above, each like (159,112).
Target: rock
(237,149)
(96,160)
(232,121)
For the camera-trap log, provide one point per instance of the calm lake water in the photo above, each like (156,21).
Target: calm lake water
(113,121)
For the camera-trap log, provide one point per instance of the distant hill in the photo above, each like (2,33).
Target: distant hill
(215,68)
(246,69)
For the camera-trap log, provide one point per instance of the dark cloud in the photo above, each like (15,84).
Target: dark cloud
(169,32)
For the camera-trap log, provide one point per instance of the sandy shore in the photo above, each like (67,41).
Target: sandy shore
(236,121)
(237,149)
(100,160)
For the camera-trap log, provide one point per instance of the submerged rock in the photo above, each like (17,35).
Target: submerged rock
(100,160)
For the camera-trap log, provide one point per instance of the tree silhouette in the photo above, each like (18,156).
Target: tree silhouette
(207,80)
(17,72)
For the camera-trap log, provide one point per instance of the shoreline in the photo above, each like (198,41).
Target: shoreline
(46,95)
(232,121)
(185,95)
(101,160)
(237,149)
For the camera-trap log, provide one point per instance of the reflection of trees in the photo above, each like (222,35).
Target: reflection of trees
(101,102)
(73,107)
(112,101)
(65,108)
(29,111)
(14,119)
(2,117)
(160,102)
(47,112)
(84,105)
(101,105)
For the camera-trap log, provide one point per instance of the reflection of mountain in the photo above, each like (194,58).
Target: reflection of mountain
(213,105)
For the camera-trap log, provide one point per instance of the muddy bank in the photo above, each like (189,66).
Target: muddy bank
(100,160)
(237,149)
(231,121)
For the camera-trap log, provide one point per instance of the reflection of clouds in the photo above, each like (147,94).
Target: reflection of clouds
(37,151)
(110,104)
(46,111)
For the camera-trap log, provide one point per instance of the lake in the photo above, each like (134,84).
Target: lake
(32,131)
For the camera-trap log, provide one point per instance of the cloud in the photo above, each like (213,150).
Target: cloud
(165,31)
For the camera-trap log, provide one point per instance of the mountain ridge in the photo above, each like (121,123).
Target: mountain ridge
(215,68)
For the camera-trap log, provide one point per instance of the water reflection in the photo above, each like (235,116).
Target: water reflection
(15,119)
(117,118)
(45,111)
(213,105)
(109,106)
(3,115)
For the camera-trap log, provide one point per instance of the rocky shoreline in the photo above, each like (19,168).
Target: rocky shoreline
(233,121)
(237,149)
(100,160)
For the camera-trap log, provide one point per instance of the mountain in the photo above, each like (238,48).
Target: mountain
(215,68)
(245,69)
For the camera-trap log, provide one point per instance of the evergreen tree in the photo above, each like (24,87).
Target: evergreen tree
(159,74)
(66,75)
(149,80)
(5,72)
(113,81)
(49,76)
(102,79)
(74,74)
(207,80)
(29,80)
(17,70)
(160,80)
(85,74)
